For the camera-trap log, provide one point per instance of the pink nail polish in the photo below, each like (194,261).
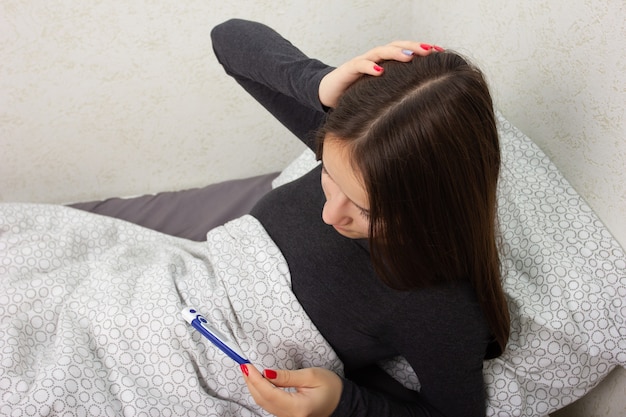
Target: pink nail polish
(244,369)
(426,46)
(270,374)
(438,48)
(378,68)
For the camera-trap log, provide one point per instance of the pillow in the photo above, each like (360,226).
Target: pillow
(301,165)
(565,279)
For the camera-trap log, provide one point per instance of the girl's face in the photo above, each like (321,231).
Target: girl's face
(347,207)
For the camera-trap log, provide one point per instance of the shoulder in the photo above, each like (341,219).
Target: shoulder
(443,313)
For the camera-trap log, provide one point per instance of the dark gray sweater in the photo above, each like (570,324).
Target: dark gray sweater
(440,331)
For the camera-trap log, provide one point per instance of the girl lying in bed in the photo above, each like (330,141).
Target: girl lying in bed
(391,242)
(387,250)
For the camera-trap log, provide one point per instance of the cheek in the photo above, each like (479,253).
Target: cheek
(363,225)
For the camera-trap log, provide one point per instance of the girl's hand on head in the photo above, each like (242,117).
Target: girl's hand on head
(335,83)
(317,391)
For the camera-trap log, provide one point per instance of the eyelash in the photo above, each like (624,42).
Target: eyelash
(364,213)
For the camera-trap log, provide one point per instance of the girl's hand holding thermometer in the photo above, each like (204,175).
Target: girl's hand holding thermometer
(223,342)
(312,389)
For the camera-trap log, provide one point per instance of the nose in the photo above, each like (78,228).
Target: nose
(335,211)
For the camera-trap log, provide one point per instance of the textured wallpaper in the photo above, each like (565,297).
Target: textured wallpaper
(119,98)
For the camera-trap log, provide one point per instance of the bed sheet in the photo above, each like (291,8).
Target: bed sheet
(189,213)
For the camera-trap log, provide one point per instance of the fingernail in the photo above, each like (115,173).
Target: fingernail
(426,46)
(407,52)
(244,369)
(378,68)
(438,48)
(270,374)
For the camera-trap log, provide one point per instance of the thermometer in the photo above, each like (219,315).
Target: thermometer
(223,342)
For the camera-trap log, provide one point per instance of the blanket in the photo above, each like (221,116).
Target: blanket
(90,318)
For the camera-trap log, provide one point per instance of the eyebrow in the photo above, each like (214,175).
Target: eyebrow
(352,201)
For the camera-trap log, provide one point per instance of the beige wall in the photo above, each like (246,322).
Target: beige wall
(102,99)
(119,98)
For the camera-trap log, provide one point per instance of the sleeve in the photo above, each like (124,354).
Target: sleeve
(444,338)
(359,401)
(276,73)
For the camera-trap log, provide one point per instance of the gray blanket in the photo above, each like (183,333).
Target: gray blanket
(90,318)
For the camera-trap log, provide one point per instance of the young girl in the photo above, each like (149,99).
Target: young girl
(391,242)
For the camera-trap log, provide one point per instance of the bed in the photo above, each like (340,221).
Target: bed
(91,295)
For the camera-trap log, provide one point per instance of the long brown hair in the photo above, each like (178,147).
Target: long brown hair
(423,138)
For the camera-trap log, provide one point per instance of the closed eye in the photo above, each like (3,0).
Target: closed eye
(363,212)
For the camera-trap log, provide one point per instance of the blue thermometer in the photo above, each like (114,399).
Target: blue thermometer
(223,342)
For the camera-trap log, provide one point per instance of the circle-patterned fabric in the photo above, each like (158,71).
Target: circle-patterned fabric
(565,279)
(90,319)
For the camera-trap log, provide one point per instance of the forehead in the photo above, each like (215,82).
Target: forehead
(337,160)
(336,153)
(335,146)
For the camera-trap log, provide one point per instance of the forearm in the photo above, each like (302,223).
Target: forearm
(277,74)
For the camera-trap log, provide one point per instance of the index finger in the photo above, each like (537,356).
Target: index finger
(266,394)
(402,51)
(418,48)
